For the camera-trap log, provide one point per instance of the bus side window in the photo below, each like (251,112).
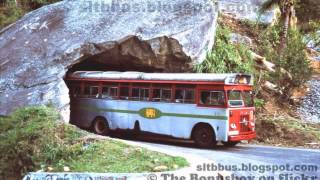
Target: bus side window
(140,94)
(184,96)
(189,96)
(179,96)
(104,92)
(156,95)
(166,95)
(94,91)
(135,94)
(212,98)
(124,93)
(109,92)
(163,95)
(144,94)
(76,91)
(113,92)
(86,92)
(91,91)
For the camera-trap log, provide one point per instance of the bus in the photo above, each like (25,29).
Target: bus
(206,108)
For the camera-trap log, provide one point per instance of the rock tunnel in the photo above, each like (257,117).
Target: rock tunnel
(131,54)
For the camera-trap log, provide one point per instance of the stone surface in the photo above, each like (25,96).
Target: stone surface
(309,110)
(37,51)
(248,10)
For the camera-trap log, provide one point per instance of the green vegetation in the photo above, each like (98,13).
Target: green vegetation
(258,103)
(12,10)
(287,17)
(294,59)
(9,14)
(32,139)
(226,57)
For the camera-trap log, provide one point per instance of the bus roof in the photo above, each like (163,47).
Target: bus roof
(231,78)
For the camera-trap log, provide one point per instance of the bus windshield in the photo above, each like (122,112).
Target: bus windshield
(240,98)
(235,98)
(248,98)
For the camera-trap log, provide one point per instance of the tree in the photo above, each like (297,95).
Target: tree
(288,17)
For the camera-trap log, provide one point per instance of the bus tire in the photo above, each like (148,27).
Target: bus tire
(204,136)
(230,143)
(100,126)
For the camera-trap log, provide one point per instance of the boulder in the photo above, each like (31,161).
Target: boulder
(248,10)
(38,50)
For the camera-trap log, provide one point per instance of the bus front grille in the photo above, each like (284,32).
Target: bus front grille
(244,124)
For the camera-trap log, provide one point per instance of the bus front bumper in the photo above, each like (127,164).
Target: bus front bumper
(242,137)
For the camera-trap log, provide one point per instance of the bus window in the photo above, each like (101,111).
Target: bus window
(184,96)
(212,98)
(179,96)
(144,94)
(166,95)
(91,91)
(76,91)
(189,96)
(140,94)
(94,91)
(163,95)
(86,92)
(235,98)
(113,92)
(124,93)
(156,94)
(109,92)
(248,98)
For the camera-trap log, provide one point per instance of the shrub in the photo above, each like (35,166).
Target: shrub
(293,59)
(31,138)
(258,103)
(226,57)
(10,14)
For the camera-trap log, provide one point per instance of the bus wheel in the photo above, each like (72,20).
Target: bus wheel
(230,143)
(204,136)
(100,126)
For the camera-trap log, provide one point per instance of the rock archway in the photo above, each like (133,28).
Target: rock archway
(37,51)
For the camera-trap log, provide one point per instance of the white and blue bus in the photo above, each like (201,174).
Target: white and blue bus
(206,108)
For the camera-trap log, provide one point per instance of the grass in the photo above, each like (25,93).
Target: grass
(112,156)
(33,139)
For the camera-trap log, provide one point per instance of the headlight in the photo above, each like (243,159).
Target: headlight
(252,124)
(251,116)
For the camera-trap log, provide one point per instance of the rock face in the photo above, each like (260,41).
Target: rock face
(248,10)
(309,109)
(37,51)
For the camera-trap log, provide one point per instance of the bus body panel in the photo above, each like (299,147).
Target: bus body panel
(176,119)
